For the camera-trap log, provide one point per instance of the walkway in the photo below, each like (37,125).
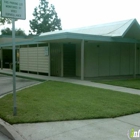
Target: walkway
(75,81)
(101,129)
(96,129)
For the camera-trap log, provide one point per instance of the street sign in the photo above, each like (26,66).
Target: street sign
(15,9)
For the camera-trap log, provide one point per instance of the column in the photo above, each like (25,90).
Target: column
(82,60)
(37,45)
(49,49)
(62,62)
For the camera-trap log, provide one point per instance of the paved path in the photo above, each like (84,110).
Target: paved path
(6,84)
(75,81)
(100,129)
(96,129)
(3,137)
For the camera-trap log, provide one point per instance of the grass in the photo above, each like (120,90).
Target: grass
(130,83)
(58,101)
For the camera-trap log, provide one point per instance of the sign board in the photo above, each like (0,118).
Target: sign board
(15,9)
(46,51)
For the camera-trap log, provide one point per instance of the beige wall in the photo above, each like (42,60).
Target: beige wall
(101,59)
(9,39)
(107,59)
(34,59)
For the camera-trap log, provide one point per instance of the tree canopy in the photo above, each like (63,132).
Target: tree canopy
(2,19)
(45,19)
(8,31)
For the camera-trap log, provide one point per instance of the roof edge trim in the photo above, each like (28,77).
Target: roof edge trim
(133,22)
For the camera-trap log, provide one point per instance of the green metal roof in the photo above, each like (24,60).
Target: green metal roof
(109,32)
(122,31)
(115,29)
(87,37)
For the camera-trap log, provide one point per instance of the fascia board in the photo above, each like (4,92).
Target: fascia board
(88,37)
(18,43)
(133,22)
(69,35)
(51,37)
(125,40)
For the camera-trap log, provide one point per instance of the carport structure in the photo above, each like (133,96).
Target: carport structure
(6,49)
(96,51)
(103,50)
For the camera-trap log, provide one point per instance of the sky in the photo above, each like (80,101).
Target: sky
(80,13)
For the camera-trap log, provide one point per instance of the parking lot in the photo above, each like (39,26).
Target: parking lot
(6,83)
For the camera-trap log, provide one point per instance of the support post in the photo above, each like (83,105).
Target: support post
(14,69)
(37,59)
(135,60)
(82,60)
(62,62)
(19,58)
(49,49)
(1,58)
(28,56)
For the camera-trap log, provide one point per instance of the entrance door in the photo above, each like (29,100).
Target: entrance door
(7,58)
(55,52)
(69,59)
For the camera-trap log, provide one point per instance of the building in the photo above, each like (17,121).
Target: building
(96,51)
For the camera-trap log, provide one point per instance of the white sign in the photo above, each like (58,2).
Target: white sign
(46,51)
(15,9)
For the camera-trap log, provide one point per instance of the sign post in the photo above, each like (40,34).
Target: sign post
(14,9)
(14,69)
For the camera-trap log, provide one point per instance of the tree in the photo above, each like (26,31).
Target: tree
(2,19)
(8,31)
(45,19)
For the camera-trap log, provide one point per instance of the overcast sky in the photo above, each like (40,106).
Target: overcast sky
(79,13)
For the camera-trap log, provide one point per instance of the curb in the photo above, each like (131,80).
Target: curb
(9,131)
(18,89)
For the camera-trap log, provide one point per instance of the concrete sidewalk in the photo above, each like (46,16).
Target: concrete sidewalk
(100,129)
(6,82)
(8,132)
(96,129)
(75,81)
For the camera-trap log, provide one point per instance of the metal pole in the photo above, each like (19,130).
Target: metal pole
(82,60)
(37,59)
(14,69)
(62,61)
(49,74)
(19,58)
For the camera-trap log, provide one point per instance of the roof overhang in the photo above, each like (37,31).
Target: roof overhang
(71,37)
(76,36)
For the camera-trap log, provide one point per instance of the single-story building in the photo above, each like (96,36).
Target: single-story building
(102,50)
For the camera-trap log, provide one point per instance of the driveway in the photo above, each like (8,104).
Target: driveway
(6,83)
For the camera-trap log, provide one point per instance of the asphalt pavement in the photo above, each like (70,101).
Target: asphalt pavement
(6,83)
(3,137)
(6,86)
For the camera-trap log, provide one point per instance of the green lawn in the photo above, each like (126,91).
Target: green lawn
(58,101)
(130,83)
